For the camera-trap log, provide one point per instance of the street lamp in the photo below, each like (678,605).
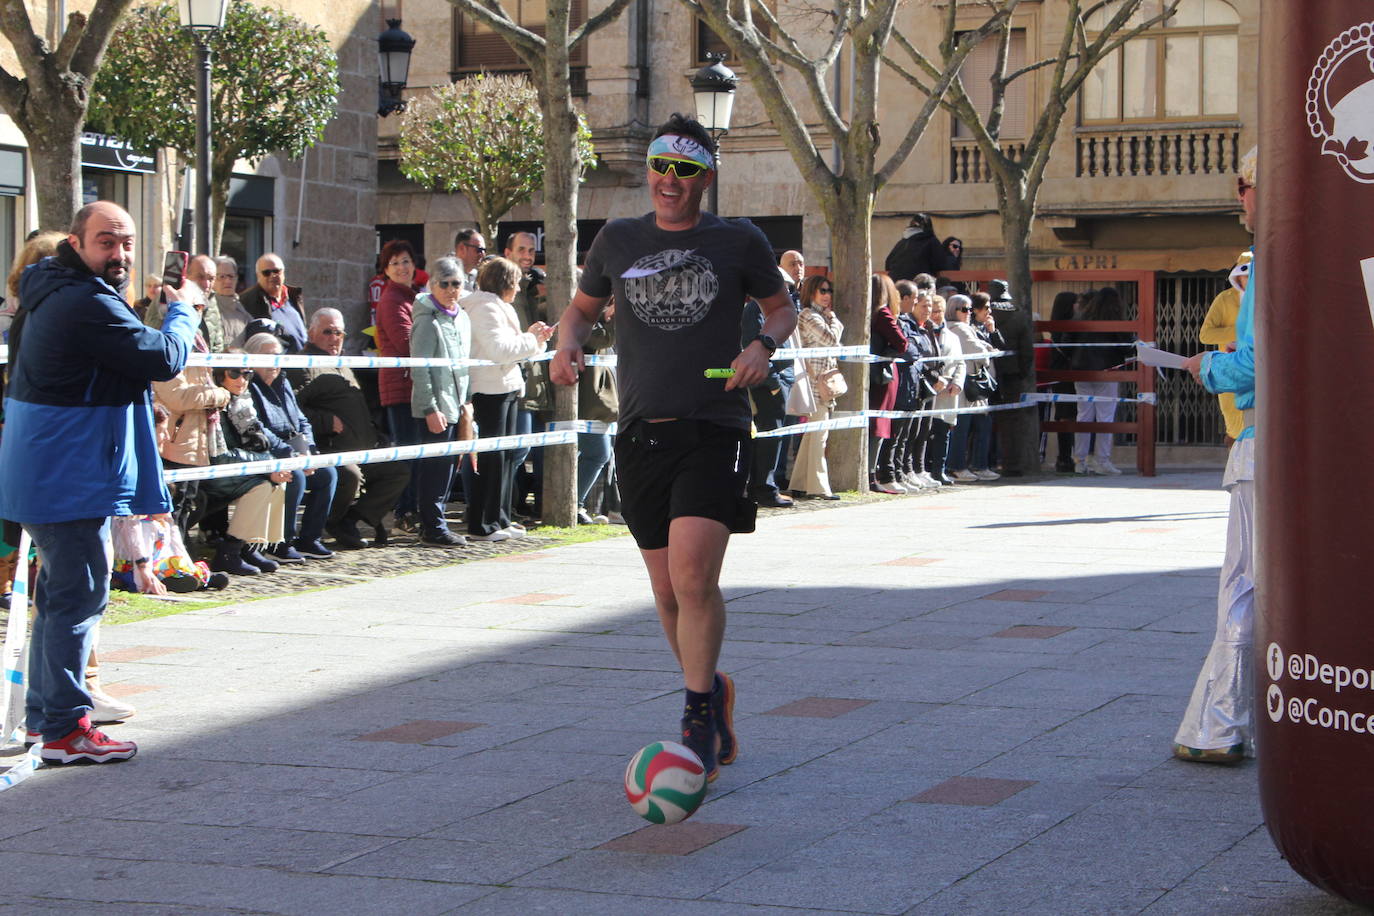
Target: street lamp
(202,18)
(393,65)
(714,88)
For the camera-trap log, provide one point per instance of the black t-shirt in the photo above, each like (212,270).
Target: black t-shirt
(679,313)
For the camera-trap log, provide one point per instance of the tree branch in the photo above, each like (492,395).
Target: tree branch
(15,24)
(528,45)
(95,38)
(600,20)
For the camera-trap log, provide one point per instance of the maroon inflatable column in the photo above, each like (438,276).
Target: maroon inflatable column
(1314,634)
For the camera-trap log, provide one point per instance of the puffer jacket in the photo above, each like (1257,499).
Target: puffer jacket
(394,318)
(189,398)
(79,437)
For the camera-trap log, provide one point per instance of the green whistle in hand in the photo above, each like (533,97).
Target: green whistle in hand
(720,373)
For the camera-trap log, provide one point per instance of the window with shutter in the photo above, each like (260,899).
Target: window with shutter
(976,76)
(1183,70)
(478,47)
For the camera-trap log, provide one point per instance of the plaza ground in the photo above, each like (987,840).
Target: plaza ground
(958,702)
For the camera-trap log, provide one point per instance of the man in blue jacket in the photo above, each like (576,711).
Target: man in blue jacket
(1218,726)
(79,447)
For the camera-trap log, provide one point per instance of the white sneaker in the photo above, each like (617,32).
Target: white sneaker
(494,537)
(514,532)
(987,474)
(912,482)
(964,476)
(930,483)
(1104,466)
(106,709)
(1080,466)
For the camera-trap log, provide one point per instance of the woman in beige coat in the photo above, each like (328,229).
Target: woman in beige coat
(818,327)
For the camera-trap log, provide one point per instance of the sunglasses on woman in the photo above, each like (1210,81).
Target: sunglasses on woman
(828,290)
(449,284)
(234,373)
(679,167)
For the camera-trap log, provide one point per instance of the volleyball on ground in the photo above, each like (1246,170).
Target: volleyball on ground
(665,782)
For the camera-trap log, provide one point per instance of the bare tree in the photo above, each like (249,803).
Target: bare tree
(845,192)
(48,102)
(547,57)
(1018,171)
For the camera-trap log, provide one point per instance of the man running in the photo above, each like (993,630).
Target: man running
(680,278)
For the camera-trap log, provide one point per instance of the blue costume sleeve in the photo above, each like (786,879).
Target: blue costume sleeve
(1235,371)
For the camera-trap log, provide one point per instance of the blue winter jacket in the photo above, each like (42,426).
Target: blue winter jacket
(79,436)
(282,418)
(1235,371)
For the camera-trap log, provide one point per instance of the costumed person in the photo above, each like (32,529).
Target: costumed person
(1219,330)
(1218,726)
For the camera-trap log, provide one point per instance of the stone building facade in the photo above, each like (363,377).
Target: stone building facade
(324,231)
(1146,185)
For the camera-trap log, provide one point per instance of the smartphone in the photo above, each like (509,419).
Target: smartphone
(173,271)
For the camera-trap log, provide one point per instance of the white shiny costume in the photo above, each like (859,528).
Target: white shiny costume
(1219,713)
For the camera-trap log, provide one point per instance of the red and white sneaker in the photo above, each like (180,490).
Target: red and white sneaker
(87,744)
(31,738)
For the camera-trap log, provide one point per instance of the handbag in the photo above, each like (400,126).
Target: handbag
(980,385)
(801,400)
(833,383)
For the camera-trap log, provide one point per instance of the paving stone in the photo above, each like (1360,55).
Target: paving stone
(679,839)
(421,731)
(818,707)
(970,790)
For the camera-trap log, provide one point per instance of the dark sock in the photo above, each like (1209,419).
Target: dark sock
(698,705)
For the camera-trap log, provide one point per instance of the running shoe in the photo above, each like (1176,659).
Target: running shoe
(723,711)
(700,737)
(87,744)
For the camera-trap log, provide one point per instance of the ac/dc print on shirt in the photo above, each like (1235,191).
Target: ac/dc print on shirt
(677,291)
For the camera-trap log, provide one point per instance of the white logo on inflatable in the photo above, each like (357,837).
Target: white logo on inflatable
(1273,701)
(1275,657)
(1346,125)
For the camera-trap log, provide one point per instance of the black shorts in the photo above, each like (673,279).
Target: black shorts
(681,468)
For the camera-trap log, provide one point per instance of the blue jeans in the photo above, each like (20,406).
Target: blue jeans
(593,452)
(320,486)
(69,597)
(969,442)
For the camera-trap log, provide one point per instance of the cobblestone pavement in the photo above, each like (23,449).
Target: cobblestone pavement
(951,703)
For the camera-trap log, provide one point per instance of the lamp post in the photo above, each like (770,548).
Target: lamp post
(202,17)
(393,66)
(714,88)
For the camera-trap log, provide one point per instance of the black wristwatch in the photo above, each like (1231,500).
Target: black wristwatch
(769,343)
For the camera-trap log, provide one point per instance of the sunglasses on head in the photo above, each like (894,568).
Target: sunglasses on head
(679,167)
(449,284)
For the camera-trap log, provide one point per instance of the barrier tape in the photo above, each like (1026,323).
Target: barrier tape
(595,427)
(371,456)
(1044,346)
(12,727)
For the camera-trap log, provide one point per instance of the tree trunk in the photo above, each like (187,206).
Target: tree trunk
(561,175)
(1018,431)
(852,209)
(56,152)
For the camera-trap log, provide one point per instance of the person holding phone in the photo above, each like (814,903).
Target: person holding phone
(80,446)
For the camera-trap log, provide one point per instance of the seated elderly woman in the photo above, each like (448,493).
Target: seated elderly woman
(288,433)
(258,500)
